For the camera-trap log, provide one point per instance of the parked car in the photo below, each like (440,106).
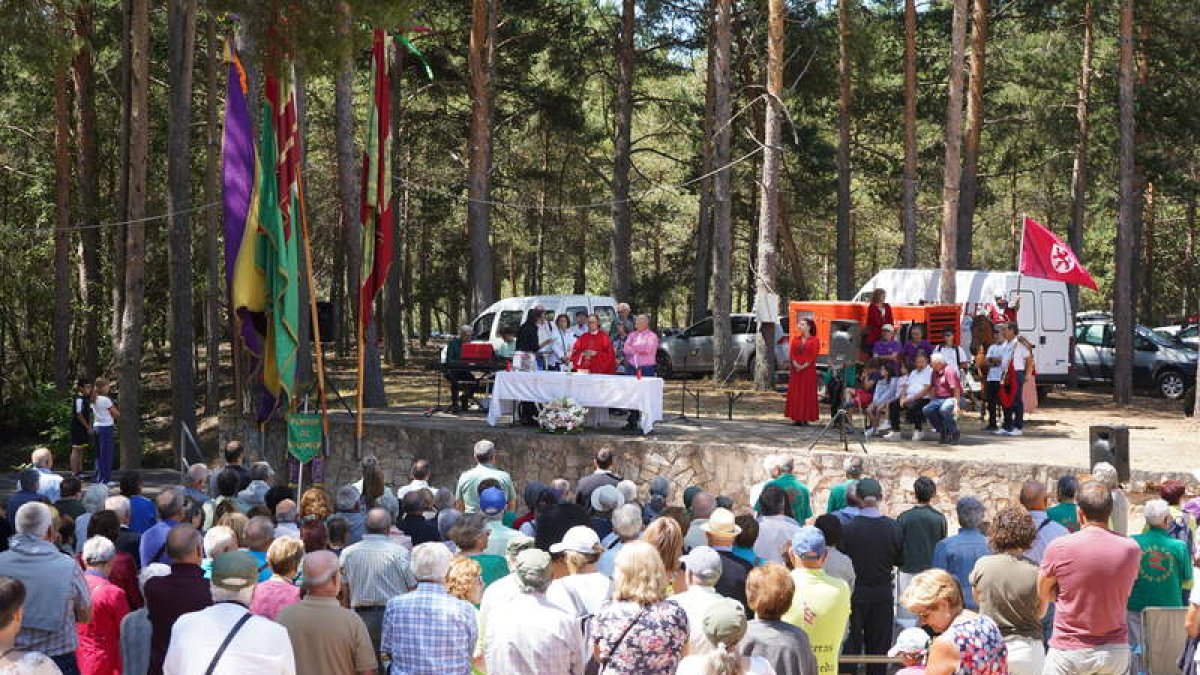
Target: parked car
(1158,363)
(510,312)
(1185,334)
(690,351)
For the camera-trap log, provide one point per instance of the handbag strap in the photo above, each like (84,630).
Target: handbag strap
(212,665)
(617,645)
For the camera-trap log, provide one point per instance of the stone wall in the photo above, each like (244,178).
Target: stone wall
(724,468)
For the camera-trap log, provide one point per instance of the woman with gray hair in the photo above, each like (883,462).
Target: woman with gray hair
(1119,520)
(959,553)
(99,639)
(93,501)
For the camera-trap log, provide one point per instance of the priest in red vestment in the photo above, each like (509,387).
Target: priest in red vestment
(593,351)
(802,406)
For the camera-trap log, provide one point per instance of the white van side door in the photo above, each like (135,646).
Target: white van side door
(1054,339)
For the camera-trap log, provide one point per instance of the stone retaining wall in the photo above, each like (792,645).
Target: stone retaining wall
(724,468)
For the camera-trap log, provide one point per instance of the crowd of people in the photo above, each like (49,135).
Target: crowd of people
(915,380)
(232,572)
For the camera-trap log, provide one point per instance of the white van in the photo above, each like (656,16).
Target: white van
(510,312)
(1045,316)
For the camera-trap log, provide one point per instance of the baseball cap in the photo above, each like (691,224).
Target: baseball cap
(888,327)
(492,501)
(722,522)
(809,542)
(607,498)
(910,641)
(516,544)
(234,571)
(725,622)
(869,487)
(533,568)
(703,561)
(581,539)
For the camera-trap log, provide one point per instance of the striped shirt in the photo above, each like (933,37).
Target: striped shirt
(377,570)
(429,632)
(528,634)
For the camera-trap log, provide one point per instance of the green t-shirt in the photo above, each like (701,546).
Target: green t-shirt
(1165,568)
(492,567)
(467,489)
(922,527)
(828,599)
(1065,514)
(797,495)
(837,497)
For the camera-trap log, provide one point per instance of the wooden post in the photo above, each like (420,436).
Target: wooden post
(312,312)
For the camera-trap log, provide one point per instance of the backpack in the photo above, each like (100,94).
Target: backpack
(1179,528)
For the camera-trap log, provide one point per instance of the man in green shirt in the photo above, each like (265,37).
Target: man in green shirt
(1166,570)
(853,467)
(782,477)
(466,492)
(1065,512)
(921,527)
(821,603)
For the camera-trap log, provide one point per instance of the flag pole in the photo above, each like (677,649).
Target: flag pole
(358,419)
(1021,257)
(312,311)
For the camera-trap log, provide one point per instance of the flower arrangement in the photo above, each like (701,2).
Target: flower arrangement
(561,416)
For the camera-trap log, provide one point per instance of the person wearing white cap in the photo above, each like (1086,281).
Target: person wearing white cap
(703,566)
(583,590)
(605,499)
(887,349)
(466,492)
(912,644)
(721,530)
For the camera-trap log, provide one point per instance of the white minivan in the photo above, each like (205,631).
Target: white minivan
(510,312)
(1045,315)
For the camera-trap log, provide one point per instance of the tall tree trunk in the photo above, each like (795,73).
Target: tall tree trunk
(908,252)
(845,254)
(480,61)
(1079,173)
(953,168)
(722,199)
(133,321)
(62,229)
(1189,252)
(970,172)
(1127,204)
(212,254)
(621,265)
(1148,315)
(120,232)
(702,270)
(89,191)
(396,346)
(769,219)
(181,43)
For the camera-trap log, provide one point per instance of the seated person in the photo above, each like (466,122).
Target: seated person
(462,381)
(505,344)
(886,391)
(887,349)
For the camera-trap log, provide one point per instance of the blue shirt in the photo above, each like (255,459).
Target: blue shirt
(152,546)
(957,555)
(141,514)
(19,499)
(429,632)
(264,568)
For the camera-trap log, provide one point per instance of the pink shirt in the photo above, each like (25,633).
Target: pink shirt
(99,651)
(273,595)
(944,383)
(1095,569)
(641,348)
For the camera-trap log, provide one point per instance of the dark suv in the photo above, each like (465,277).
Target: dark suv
(1160,364)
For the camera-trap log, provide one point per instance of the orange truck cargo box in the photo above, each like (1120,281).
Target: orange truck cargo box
(935,318)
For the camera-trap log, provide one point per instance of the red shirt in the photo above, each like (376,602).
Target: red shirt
(1006,315)
(99,651)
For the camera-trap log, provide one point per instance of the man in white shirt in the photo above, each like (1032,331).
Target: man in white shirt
(529,634)
(253,644)
(916,397)
(420,479)
(991,394)
(1033,497)
(1018,356)
(703,566)
(49,483)
(580,326)
(775,527)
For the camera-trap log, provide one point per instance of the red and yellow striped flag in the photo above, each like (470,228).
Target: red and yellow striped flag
(376,210)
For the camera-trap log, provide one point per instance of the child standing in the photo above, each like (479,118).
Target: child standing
(104,413)
(81,424)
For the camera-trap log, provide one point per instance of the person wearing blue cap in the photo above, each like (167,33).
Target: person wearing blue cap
(821,603)
(492,502)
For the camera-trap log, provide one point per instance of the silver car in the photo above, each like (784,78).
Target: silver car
(690,351)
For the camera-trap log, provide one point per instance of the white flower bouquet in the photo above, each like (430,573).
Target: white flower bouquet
(561,416)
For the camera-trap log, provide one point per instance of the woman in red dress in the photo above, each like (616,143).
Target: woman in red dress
(593,351)
(802,406)
(879,314)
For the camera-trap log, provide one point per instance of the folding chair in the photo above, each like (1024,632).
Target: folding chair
(1163,639)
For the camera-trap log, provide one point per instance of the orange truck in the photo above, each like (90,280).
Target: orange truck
(840,325)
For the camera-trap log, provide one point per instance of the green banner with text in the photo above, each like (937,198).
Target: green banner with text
(304,435)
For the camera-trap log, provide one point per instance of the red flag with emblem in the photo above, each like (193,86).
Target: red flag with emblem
(1045,256)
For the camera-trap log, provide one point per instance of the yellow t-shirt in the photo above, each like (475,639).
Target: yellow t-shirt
(827,600)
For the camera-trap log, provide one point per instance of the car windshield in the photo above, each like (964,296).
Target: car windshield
(1155,338)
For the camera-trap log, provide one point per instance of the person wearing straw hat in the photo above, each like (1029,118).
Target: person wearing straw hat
(721,530)
(722,629)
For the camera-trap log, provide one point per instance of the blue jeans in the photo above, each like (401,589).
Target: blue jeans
(1014,417)
(104,454)
(940,413)
(66,662)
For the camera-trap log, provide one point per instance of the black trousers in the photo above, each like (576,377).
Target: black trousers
(912,412)
(870,632)
(991,395)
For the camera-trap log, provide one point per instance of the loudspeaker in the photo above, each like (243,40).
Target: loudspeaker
(844,340)
(325,321)
(1110,444)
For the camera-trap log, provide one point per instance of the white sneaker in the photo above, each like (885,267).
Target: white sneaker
(999,432)
(1016,432)
(918,436)
(870,431)
(884,426)
(893,436)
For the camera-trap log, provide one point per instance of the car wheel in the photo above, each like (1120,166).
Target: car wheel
(662,365)
(1171,384)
